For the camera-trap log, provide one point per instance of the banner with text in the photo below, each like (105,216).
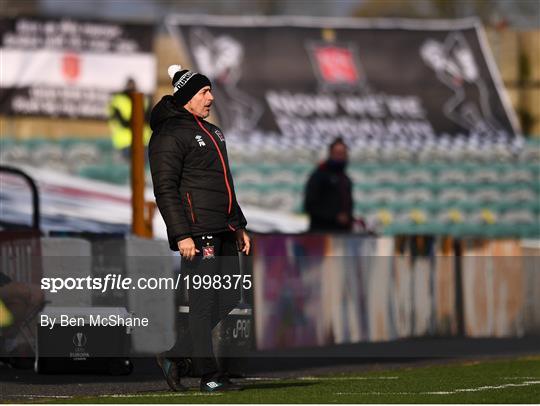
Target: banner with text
(67,68)
(319,77)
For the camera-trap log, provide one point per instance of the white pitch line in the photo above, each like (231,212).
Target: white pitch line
(346,378)
(40,396)
(123,395)
(487,387)
(521,377)
(161,394)
(323,378)
(452,392)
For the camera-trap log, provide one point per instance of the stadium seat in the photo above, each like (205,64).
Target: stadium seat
(15,154)
(417,194)
(78,155)
(249,196)
(531,153)
(104,144)
(485,194)
(452,195)
(381,195)
(522,194)
(450,216)
(451,176)
(385,177)
(249,177)
(281,199)
(519,216)
(282,176)
(417,176)
(113,173)
(34,143)
(49,155)
(358,177)
(484,175)
(517,176)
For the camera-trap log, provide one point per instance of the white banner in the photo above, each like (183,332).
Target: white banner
(71,68)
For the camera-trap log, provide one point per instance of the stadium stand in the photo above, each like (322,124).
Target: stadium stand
(461,186)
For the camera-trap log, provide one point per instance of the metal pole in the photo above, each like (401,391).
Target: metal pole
(137,166)
(36,213)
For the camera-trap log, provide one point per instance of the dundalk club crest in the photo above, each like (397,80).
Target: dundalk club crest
(336,64)
(208,248)
(208,252)
(71,67)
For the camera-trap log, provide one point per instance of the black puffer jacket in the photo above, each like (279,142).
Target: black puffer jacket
(193,185)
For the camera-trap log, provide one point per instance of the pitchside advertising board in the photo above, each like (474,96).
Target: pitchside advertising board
(326,77)
(68,68)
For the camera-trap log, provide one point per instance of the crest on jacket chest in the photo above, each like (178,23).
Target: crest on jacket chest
(200,141)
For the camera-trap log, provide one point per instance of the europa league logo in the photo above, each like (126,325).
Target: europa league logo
(79,339)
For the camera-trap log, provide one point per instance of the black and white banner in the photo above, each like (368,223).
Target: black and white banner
(326,77)
(69,68)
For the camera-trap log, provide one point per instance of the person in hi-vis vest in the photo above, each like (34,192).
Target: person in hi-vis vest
(120,110)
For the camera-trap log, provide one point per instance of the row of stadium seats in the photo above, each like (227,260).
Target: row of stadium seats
(388,150)
(399,195)
(74,153)
(394,174)
(448,199)
(69,155)
(481,221)
(290,199)
(441,193)
(509,192)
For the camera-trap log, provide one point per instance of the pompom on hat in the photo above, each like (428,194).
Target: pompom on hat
(186,83)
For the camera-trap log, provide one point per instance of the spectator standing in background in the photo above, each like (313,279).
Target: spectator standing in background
(120,111)
(328,195)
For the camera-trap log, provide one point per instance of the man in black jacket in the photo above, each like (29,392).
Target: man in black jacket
(328,197)
(194,192)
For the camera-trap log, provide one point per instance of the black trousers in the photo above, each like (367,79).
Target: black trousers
(208,305)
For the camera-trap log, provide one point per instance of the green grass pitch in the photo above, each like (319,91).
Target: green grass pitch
(488,381)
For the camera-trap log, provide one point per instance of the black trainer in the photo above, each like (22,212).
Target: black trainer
(230,384)
(213,385)
(171,373)
(222,384)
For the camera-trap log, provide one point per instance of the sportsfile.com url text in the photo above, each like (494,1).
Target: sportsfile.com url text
(119,282)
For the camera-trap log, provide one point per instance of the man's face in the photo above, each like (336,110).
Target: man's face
(201,102)
(339,153)
(130,86)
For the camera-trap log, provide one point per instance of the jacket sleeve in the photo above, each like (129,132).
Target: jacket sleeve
(166,156)
(242,222)
(241,218)
(313,201)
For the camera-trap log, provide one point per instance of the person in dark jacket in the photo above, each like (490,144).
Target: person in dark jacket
(195,194)
(328,195)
